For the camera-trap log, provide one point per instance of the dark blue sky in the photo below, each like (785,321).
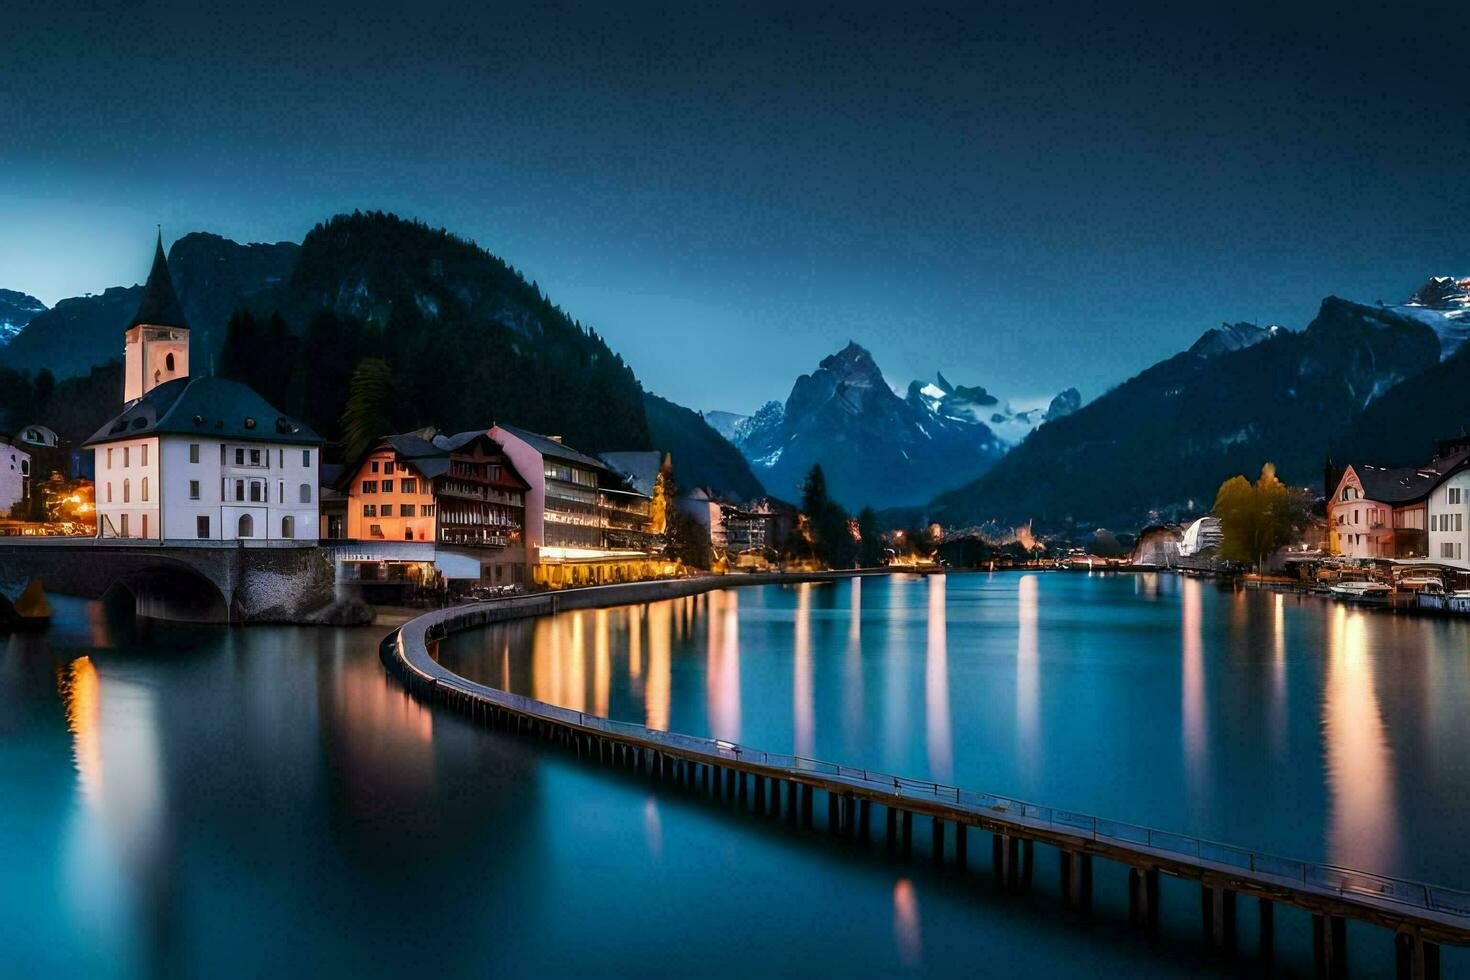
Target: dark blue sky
(1024,196)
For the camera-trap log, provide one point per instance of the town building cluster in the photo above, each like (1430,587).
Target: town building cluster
(1411,513)
(195,460)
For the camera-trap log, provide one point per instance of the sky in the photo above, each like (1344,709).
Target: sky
(1025,196)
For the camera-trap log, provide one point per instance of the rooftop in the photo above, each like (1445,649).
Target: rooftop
(160,305)
(547,446)
(214,407)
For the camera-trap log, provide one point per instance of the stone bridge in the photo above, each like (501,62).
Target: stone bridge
(187,581)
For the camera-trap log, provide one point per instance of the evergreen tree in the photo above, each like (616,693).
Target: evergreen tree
(870,548)
(369,413)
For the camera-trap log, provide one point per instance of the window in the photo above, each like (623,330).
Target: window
(375,531)
(109,457)
(369,486)
(306,458)
(1434,522)
(369,510)
(257,492)
(145,525)
(193,452)
(405,510)
(1459,522)
(201,526)
(408,534)
(281,458)
(427,510)
(123,527)
(168,362)
(239,489)
(1454,495)
(193,489)
(127,491)
(409,486)
(255,457)
(1355,515)
(145,493)
(306,493)
(246,527)
(281,492)
(143,449)
(288,526)
(388,468)
(109,492)
(125,457)
(239,456)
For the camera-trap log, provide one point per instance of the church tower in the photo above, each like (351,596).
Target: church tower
(156,343)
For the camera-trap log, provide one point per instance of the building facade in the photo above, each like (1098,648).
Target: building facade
(1380,512)
(584,522)
(197,458)
(1449,518)
(15,478)
(457,492)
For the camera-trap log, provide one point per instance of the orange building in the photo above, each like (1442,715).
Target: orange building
(457,494)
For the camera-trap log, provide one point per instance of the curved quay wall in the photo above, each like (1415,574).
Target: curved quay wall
(1420,916)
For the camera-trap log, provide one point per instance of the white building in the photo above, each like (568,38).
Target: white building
(1201,536)
(15,477)
(197,458)
(1449,519)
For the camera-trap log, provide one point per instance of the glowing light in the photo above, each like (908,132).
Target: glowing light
(1194,689)
(906,933)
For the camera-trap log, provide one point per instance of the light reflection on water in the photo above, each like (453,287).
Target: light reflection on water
(918,688)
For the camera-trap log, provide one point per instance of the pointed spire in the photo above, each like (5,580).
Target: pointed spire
(160,304)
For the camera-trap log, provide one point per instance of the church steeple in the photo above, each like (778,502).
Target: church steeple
(156,342)
(160,304)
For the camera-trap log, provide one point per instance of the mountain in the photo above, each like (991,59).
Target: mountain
(1444,304)
(702,456)
(16,310)
(213,276)
(1401,427)
(1229,337)
(976,405)
(725,423)
(874,447)
(467,339)
(1163,441)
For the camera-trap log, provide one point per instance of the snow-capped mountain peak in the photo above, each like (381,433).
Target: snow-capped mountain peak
(16,310)
(1443,303)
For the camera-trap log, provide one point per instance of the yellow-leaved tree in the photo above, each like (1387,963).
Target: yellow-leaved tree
(1255,518)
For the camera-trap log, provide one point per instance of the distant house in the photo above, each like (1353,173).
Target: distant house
(1201,536)
(1383,512)
(1448,502)
(15,477)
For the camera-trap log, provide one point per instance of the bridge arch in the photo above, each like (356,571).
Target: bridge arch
(164,588)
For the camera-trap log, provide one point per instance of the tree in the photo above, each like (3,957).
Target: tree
(368,415)
(1255,519)
(831,528)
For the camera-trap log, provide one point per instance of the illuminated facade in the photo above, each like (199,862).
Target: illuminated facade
(584,522)
(458,493)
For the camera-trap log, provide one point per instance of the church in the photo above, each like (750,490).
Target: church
(197,458)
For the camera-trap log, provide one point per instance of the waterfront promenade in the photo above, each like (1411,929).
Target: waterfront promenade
(1419,916)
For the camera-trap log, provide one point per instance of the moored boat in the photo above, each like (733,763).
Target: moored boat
(1369,593)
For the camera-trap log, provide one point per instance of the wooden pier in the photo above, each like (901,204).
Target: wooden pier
(1420,918)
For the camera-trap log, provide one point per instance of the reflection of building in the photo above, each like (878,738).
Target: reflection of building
(197,458)
(459,493)
(584,521)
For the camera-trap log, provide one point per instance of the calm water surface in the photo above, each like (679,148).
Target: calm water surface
(209,802)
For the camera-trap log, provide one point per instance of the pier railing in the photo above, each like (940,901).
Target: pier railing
(1447,908)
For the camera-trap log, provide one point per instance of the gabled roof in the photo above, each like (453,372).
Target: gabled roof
(160,304)
(213,407)
(547,446)
(1404,484)
(428,451)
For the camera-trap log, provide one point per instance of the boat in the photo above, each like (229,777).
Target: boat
(1368,593)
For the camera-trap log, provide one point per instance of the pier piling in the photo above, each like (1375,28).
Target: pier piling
(1329,946)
